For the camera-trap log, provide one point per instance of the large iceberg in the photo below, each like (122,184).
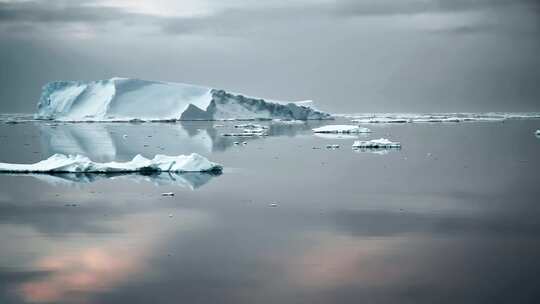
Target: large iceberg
(124,99)
(60,163)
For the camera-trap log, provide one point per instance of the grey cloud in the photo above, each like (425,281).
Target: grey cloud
(406,7)
(30,15)
(45,12)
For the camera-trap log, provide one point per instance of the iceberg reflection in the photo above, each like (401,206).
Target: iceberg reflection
(121,141)
(191,180)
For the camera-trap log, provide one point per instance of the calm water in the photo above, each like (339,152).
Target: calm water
(452,217)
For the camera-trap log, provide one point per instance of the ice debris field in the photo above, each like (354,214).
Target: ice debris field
(59,163)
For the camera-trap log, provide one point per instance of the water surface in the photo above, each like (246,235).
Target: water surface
(452,217)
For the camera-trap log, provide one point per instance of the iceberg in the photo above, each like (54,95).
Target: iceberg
(381,143)
(60,163)
(341,129)
(125,99)
(537,133)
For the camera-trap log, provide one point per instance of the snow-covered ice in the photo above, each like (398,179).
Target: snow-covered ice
(125,99)
(381,143)
(60,163)
(341,129)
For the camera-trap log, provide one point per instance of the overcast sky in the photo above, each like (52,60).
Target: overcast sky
(347,55)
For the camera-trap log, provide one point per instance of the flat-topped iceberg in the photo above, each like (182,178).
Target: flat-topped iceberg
(381,143)
(60,163)
(341,129)
(124,99)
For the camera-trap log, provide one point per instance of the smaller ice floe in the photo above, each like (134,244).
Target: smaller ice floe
(273,204)
(60,163)
(381,143)
(167,194)
(332,147)
(537,133)
(347,129)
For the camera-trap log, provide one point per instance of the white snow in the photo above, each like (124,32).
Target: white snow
(381,143)
(124,99)
(60,163)
(341,129)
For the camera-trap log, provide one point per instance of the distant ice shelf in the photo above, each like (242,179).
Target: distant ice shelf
(437,117)
(341,129)
(381,143)
(60,163)
(125,99)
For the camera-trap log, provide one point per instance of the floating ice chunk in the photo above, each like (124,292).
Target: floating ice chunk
(333,147)
(167,194)
(60,163)
(124,99)
(381,143)
(537,133)
(341,129)
(273,204)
